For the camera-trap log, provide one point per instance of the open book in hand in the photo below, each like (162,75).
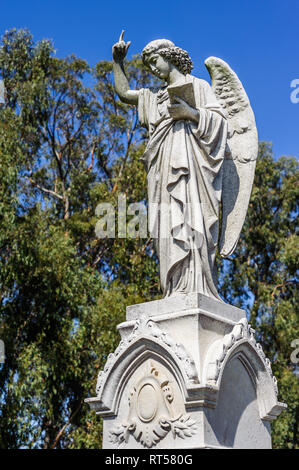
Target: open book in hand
(184,91)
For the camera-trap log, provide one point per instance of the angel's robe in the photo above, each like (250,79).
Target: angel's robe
(184,175)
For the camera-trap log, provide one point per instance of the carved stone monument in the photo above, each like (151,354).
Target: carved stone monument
(188,372)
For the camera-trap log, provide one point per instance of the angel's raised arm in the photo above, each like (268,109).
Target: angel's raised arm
(122,87)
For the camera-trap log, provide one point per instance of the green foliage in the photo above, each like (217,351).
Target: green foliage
(64,148)
(262,277)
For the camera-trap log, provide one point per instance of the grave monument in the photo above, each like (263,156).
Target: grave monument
(188,372)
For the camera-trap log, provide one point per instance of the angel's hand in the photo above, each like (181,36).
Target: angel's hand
(182,111)
(120,49)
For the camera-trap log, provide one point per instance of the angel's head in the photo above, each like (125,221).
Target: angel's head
(161,54)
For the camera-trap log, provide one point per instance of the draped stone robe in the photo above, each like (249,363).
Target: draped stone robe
(184,174)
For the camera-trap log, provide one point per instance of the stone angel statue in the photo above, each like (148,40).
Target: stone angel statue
(200,162)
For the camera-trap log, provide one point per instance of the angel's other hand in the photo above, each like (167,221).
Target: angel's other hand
(182,111)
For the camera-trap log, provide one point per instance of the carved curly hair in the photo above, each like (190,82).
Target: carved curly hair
(175,55)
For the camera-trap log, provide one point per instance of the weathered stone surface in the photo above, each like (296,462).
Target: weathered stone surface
(191,379)
(241,154)
(184,302)
(188,371)
(200,159)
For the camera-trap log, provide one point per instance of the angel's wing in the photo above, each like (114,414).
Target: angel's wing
(241,152)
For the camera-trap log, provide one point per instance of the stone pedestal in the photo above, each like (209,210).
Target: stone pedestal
(187,373)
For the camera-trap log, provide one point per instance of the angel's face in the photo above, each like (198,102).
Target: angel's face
(159,66)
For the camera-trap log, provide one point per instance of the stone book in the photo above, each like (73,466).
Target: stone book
(184,91)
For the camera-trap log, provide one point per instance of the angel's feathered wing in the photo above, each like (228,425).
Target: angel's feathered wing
(241,152)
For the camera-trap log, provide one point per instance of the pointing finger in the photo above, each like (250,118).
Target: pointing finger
(121,36)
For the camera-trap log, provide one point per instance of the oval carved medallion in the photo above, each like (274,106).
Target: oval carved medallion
(147,403)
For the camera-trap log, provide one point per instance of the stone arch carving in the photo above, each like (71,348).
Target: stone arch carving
(240,343)
(146,340)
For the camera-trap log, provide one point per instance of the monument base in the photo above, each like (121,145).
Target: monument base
(187,373)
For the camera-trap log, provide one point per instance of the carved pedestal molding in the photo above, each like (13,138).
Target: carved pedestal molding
(165,388)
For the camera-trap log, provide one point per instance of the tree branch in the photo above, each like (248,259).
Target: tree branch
(45,190)
(130,138)
(56,440)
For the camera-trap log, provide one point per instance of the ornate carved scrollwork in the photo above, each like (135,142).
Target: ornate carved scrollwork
(148,327)
(242,330)
(152,411)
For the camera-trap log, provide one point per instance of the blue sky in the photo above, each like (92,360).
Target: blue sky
(258,38)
